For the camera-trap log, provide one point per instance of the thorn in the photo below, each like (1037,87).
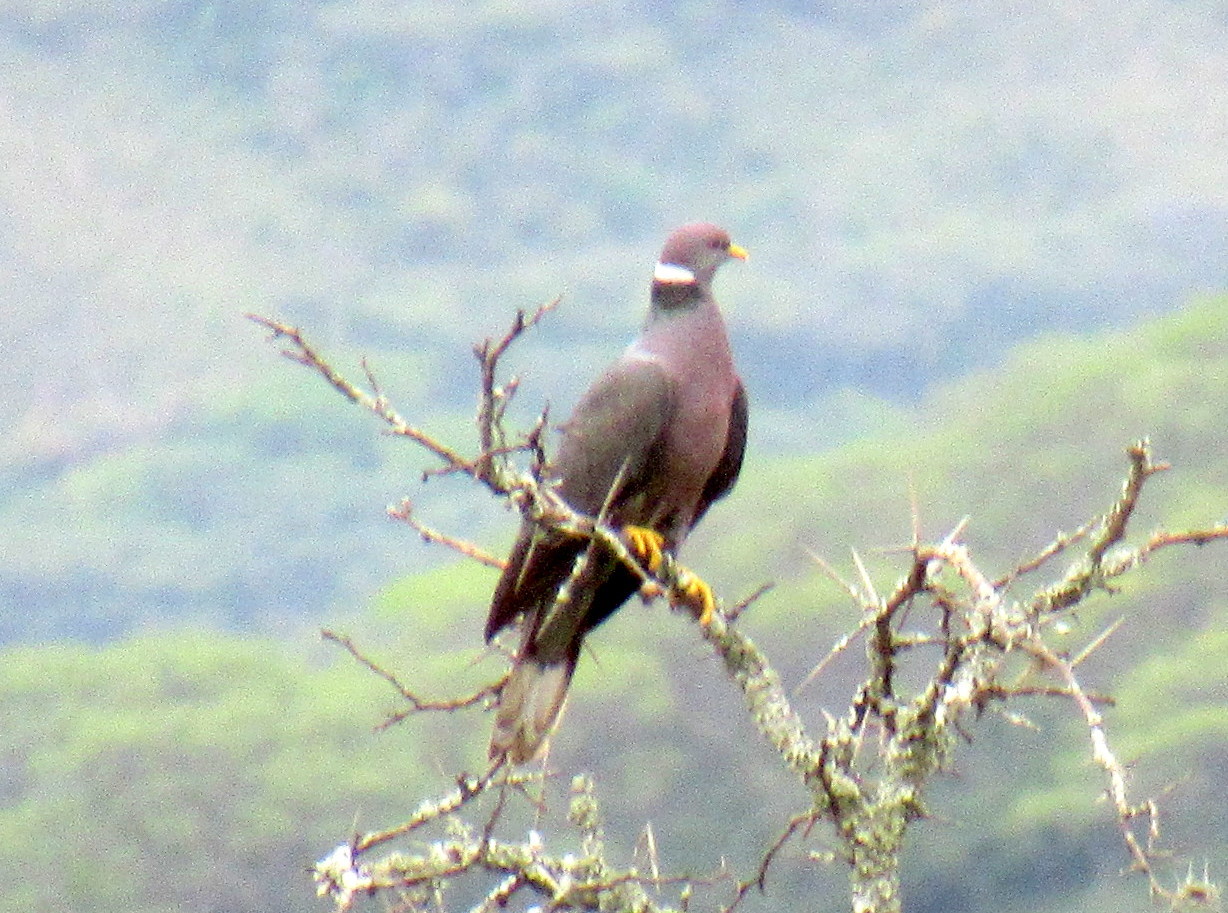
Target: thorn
(865,578)
(831,573)
(1096,644)
(952,538)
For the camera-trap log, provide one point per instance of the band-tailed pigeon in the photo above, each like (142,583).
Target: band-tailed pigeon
(650,446)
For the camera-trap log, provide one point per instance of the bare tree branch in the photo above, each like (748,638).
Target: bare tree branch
(302,352)
(495,398)
(416,704)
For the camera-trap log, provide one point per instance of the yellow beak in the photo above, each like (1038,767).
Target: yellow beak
(737,252)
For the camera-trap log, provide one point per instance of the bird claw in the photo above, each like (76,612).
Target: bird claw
(647,545)
(699,594)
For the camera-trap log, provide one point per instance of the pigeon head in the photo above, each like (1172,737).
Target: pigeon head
(691,257)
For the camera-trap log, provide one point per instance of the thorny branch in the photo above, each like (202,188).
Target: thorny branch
(416,704)
(571,881)
(868,797)
(979,628)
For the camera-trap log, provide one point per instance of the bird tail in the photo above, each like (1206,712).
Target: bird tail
(529,707)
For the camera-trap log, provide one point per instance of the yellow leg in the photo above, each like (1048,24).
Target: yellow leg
(647,545)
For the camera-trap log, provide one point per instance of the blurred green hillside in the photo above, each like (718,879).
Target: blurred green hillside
(921,185)
(199,771)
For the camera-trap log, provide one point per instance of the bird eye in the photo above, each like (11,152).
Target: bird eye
(718,244)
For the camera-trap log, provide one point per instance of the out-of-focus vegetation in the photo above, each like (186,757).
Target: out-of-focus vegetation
(922,185)
(187,771)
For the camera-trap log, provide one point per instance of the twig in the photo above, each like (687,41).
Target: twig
(467,789)
(494,399)
(302,352)
(405,513)
(1115,522)
(760,880)
(417,704)
(1121,563)
(1104,757)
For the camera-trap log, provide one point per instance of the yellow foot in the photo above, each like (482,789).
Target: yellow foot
(698,594)
(647,545)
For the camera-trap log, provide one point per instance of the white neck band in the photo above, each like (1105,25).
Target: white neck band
(673,274)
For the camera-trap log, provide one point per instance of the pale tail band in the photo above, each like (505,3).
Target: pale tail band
(529,708)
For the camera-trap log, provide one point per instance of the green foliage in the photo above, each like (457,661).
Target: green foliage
(1172,702)
(431,602)
(180,526)
(177,767)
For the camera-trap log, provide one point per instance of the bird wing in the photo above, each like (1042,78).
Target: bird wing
(609,440)
(726,471)
(606,454)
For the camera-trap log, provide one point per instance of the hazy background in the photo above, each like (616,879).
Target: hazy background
(922,186)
